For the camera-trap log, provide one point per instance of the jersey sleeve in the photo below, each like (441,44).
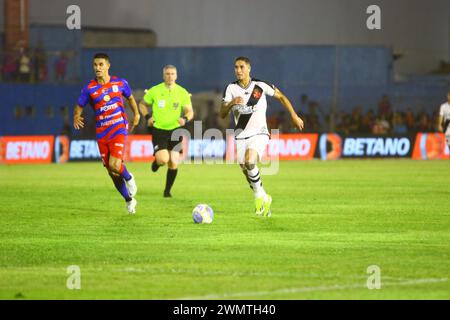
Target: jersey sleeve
(126,91)
(186,99)
(148,97)
(84,97)
(441,110)
(227,97)
(269,89)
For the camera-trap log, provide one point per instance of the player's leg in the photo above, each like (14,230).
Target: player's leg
(240,150)
(117,150)
(114,168)
(160,145)
(175,147)
(244,171)
(255,149)
(119,173)
(172,171)
(162,158)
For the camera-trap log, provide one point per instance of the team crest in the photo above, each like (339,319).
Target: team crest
(257,92)
(106,98)
(175,105)
(255,96)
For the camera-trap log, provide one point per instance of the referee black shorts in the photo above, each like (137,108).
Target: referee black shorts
(162,140)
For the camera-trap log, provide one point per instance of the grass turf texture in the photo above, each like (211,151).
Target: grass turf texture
(330,221)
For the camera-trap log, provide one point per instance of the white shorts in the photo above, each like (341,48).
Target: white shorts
(257,143)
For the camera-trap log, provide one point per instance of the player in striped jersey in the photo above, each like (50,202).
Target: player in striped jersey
(104,93)
(246,99)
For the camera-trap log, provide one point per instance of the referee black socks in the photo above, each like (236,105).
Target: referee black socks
(170,179)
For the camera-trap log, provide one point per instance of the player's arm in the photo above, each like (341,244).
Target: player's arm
(226,106)
(188,115)
(296,120)
(135,110)
(439,124)
(78,120)
(144,109)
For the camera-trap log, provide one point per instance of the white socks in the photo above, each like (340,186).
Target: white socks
(255,181)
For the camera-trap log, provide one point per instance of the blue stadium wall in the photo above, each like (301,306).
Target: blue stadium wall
(364,76)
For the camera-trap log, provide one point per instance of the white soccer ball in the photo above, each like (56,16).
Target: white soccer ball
(203,213)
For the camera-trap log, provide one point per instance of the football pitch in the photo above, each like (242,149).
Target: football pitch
(330,222)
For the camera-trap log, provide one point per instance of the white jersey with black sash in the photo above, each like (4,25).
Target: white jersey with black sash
(444,112)
(250,118)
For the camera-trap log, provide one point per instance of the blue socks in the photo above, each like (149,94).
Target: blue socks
(121,187)
(124,173)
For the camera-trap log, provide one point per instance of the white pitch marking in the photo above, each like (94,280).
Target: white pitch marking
(311,289)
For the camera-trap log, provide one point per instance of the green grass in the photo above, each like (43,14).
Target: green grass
(331,220)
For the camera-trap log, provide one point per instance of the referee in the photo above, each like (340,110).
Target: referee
(171,108)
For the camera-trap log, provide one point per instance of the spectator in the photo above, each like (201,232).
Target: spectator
(384,107)
(284,124)
(424,123)
(367,122)
(24,66)
(272,122)
(381,126)
(40,64)
(304,102)
(343,126)
(410,120)
(399,124)
(61,67)
(9,68)
(355,121)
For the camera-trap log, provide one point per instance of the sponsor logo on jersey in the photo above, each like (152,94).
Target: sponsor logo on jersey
(108,107)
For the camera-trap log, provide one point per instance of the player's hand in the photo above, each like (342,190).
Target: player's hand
(150,122)
(298,122)
(181,121)
(440,129)
(237,100)
(78,122)
(136,119)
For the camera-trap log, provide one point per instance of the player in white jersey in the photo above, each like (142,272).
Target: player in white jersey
(246,99)
(444,119)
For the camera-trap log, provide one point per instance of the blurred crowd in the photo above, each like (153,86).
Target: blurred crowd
(383,120)
(31,65)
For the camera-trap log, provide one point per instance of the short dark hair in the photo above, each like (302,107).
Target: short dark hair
(245,59)
(101,55)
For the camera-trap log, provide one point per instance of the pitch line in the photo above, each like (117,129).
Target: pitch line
(310,289)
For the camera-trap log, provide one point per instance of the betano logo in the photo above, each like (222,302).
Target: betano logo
(292,146)
(28,149)
(25,150)
(372,147)
(330,146)
(84,149)
(289,147)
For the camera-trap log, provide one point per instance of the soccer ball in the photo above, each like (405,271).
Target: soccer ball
(203,213)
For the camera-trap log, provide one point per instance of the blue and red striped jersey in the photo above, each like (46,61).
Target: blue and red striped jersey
(107,102)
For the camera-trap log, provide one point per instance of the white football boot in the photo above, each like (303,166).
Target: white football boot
(131,206)
(131,186)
